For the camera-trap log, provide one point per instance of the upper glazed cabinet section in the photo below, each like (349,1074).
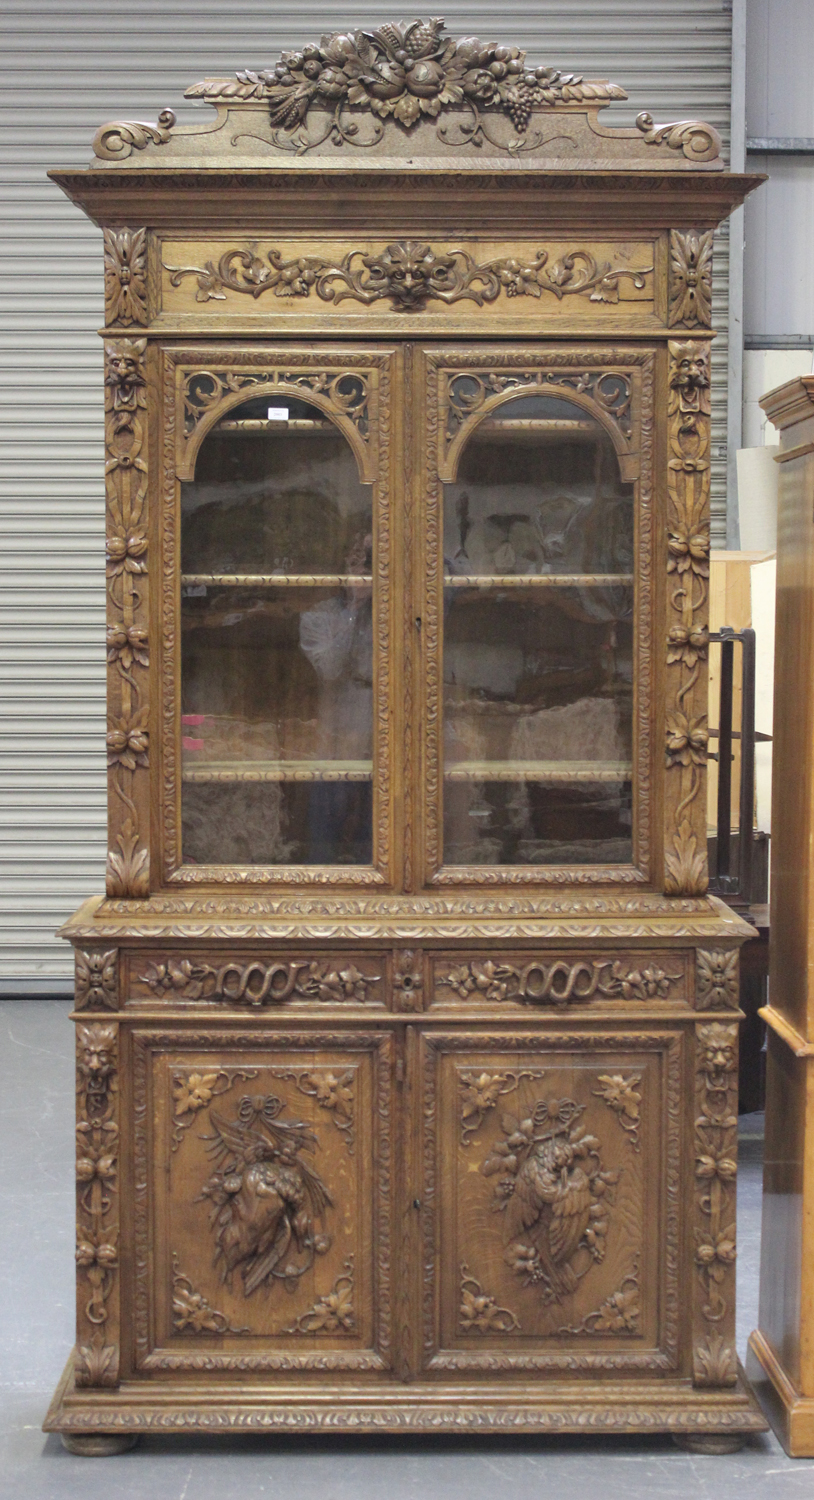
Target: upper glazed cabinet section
(564,284)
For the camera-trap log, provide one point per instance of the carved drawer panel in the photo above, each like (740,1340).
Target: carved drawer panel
(577,279)
(257,981)
(262,1182)
(550,1201)
(558,980)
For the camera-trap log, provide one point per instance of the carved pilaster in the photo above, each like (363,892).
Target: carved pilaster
(716,1144)
(688,477)
(128,863)
(97,1205)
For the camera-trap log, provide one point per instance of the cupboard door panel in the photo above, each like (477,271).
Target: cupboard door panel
(550,1201)
(261,1233)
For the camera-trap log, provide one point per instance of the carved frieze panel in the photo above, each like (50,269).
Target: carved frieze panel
(96,1362)
(544,1192)
(268,1172)
(257,983)
(686,730)
(559,981)
(411,275)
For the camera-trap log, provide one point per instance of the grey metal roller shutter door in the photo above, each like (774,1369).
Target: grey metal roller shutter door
(67,67)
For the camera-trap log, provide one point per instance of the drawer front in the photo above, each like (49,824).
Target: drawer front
(261,1204)
(558,980)
(257,981)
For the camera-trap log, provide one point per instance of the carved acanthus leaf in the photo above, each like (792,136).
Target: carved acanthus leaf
(690,278)
(715,1362)
(686,870)
(125,253)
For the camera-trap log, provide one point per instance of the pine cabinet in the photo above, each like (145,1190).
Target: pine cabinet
(406,1030)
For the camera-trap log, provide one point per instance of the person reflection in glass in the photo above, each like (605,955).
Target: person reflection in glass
(337,638)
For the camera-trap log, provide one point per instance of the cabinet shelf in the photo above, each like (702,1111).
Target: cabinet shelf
(516,429)
(278,580)
(540,770)
(279,427)
(537,580)
(278,770)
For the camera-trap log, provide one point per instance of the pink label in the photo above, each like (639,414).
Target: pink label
(194,719)
(190,744)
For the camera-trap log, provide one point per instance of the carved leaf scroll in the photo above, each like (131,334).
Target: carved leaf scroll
(191,1312)
(623,1097)
(698,141)
(333,1313)
(480,1312)
(119,138)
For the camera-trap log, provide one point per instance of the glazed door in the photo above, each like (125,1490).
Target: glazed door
(536,496)
(280,527)
(549,1189)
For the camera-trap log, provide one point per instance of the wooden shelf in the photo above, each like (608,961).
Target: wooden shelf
(515,429)
(537,580)
(540,770)
(278,580)
(277,770)
(278,426)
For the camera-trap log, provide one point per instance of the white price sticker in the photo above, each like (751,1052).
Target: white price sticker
(278,414)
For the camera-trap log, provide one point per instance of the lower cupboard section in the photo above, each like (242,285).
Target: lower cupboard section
(415,1202)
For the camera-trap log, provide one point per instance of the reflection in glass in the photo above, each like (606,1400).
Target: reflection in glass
(538,642)
(277,645)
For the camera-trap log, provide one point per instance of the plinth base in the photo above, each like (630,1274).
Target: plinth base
(790,1413)
(641,1406)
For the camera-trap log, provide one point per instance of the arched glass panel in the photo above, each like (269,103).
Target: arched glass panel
(277,643)
(538,642)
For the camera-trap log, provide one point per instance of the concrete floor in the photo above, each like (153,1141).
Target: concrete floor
(36,1275)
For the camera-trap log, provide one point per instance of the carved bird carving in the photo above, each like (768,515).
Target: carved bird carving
(265,1199)
(550,1206)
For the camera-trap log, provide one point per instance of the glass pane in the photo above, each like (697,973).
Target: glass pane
(277,644)
(538,642)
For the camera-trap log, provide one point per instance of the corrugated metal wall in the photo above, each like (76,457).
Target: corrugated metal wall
(69,65)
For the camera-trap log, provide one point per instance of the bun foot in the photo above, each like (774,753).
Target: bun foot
(98,1444)
(713,1442)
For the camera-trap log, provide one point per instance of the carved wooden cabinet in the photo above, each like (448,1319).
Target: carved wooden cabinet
(407,1034)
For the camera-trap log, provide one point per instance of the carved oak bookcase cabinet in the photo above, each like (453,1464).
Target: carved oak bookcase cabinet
(407,1034)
